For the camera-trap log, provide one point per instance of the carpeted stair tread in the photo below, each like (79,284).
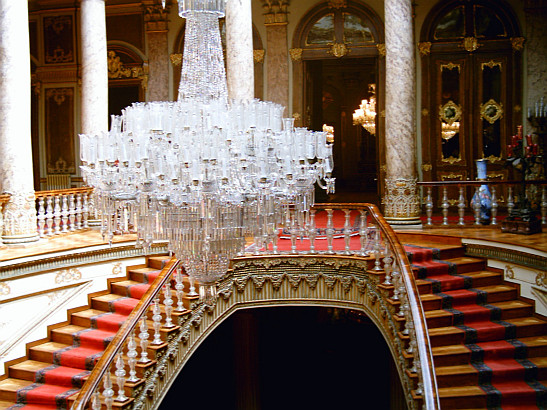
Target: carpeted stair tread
(65,334)
(9,387)
(451,355)
(158,262)
(462,397)
(42,372)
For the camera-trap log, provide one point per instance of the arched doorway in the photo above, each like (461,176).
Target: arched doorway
(471,88)
(337,60)
(291,358)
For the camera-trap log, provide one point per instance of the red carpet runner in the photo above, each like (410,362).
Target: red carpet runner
(54,384)
(505,374)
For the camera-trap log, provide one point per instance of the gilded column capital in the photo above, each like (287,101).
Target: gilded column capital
(275,11)
(296,54)
(337,4)
(518,43)
(258,56)
(425,48)
(176,59)
(381,49)
(156,17)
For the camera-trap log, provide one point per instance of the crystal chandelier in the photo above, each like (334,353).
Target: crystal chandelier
(365,115)
(204,173)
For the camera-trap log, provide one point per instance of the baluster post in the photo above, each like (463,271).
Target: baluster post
(312,231)
(179,287)
(49,215)
(78,211)
(108,392)
(510,200)
(495,205)
(120,377)
(71,213)
(57,215)
(330,231)
(64,213)
(132,358)
(429,207)
(41,217)
(347,231)
(363,232)
(156,319)
(445,205)
(143,335)
(477,206)
(377,251)
(461,205)
(387,266)
(168,303)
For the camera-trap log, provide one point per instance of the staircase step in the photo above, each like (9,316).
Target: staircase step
(44,352)
(65,334)
(451,355)
(158,262)
(27,369)
(9,387)
(462,397)
(457,375)
(509,310)
(467,264)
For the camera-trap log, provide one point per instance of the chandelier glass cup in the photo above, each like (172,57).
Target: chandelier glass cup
(204,172)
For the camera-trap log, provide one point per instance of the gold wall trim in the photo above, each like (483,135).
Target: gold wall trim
(450,66)
(18,268)
(425,48)
(280,281)
(507,255)
(296,54)
(492,64)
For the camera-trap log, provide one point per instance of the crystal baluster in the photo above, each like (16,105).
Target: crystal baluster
(494,210)
(179,287)
(429,207)
(156,319)
(168,303)
(445,205)
(71,213)
(387,266)
(64,213)
(57,215)
(347,231)
(41,216)
(108,392)
(312,231)
(143,336)
(132,358)
(477,206)
(377,251)
(49,215)
(330,231)
(461,206)
(120,377)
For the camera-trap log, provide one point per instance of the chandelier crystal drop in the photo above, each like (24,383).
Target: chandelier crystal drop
(204,173)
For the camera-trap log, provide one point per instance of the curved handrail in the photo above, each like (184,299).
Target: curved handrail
(429,380)
(68,191)
(117,343)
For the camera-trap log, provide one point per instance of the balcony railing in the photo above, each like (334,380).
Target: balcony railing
(448,203)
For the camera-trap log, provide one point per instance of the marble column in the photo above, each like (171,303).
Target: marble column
(15,136)
(277,52)
(239,50)
(401,201)
(94,95)
(156,25)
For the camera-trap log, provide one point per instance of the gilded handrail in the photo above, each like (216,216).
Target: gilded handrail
(117,343)
(68,191)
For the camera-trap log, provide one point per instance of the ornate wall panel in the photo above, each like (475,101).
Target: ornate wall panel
(59,39)
(59,130)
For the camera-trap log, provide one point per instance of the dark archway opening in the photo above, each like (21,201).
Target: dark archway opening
(290,358)
(335,89)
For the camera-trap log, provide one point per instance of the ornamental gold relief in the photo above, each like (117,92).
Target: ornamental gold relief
(296,54)
(424,48)
(68,275)
(491,64)
(5,290)
(338,50)
(471,44)
(491,111)
(518,43)
(258,56)
(381,49)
